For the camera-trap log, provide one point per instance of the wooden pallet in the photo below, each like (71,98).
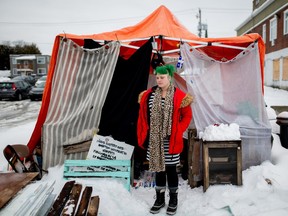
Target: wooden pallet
(77,168)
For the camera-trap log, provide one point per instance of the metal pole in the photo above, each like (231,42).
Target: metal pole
(199,24)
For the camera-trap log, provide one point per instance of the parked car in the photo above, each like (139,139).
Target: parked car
(14,89)
(36,92)
(29,79)
(41,79)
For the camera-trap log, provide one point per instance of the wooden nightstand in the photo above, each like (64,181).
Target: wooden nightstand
(222,162)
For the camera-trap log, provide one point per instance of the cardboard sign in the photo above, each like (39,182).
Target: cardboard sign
(106,148)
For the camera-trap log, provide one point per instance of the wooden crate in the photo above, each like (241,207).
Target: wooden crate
(222,162)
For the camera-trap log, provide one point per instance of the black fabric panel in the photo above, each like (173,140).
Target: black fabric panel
(120,110)
(91,44)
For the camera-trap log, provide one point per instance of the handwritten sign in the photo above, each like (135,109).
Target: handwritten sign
(106,148)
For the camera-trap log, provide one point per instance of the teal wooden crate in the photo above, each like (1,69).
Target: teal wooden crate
(70,169)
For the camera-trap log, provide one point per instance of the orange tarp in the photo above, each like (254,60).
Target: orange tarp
(159,23)
(162,23)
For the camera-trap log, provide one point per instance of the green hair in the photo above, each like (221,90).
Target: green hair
(165,69)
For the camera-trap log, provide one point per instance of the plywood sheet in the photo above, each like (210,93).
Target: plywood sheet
(12,183)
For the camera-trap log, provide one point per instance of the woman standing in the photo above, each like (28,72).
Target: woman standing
(164,115)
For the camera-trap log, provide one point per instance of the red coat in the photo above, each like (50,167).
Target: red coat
(182,115)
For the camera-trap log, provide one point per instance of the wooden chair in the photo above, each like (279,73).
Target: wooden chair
(16,155)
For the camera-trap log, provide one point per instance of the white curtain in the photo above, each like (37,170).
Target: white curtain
(230,92)
(79,88)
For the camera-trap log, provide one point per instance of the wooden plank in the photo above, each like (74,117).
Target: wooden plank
(71,204)
(239,165)
(195,171)
(191,181)
(93,206)
(61,199)
(82,208)
(206,166)
(276,69)
(196,163)
(79,147)
(12,183)
(285,69)
(98,174)
(97,163)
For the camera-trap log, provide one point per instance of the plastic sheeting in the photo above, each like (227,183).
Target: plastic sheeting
(230,92)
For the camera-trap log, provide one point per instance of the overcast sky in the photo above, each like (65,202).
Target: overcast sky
(39,21)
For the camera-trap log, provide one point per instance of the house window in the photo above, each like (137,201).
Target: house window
(285,22)
(40,60)
(273,30)
(14,61)
(285,69)
(276,69)
(41,71)
(264,33)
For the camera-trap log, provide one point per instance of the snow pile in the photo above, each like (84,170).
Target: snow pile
(271,113)
(283,115)
(5,73)
(220,132)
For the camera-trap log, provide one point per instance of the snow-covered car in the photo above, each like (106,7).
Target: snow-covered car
(36,92)
(40,80)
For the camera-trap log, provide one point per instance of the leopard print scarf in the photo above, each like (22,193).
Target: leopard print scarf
(160,128)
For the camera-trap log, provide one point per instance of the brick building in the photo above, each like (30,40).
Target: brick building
(269,18)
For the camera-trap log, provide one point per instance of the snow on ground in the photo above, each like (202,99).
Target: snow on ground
(264,191)
(275,96)
(4,74)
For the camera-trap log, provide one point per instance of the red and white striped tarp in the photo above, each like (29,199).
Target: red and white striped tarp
(79,87)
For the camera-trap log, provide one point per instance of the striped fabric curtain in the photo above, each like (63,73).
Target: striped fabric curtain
(79,88)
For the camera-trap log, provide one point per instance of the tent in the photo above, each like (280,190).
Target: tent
(92,77)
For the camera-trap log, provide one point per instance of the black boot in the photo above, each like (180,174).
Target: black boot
(172,206)
(159,202)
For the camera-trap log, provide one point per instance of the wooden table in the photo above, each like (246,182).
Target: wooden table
(12,183)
